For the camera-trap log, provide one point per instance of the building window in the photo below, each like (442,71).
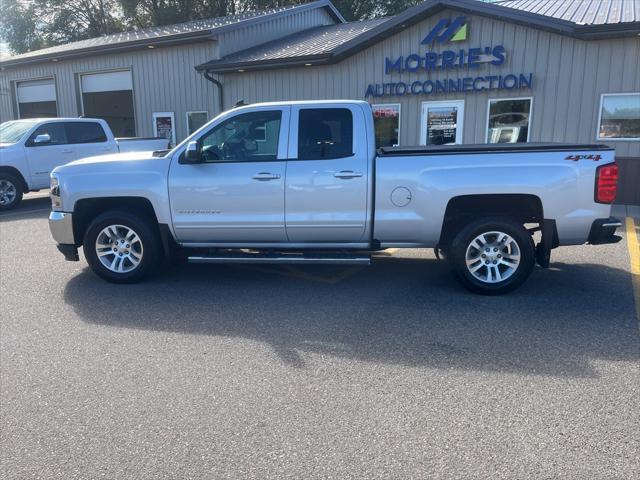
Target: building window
(325,133)
(109,96)
(619,116)
(164,126)
(509,120)
(261,133)
(36,98)
(386,120)
(195,120)
(442,122)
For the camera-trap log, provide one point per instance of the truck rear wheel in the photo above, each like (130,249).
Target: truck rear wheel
(121,247)
(492,256)
(10,191)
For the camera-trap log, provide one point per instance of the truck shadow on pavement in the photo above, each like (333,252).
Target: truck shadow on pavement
(27,209)
(406,311)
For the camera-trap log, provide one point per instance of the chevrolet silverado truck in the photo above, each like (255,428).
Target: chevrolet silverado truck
(30,149)
(302,183)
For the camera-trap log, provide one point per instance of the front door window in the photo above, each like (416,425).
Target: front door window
(248,137)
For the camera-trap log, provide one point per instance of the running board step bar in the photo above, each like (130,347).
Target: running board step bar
(292,258)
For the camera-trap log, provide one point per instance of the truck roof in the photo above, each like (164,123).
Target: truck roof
(302,102)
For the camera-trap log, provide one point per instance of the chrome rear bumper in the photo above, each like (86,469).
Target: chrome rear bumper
(603,231)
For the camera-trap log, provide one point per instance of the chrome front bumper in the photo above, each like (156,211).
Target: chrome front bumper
(61,226)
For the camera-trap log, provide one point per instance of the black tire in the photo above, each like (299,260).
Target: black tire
(11,181)
(473,282)
(149,243)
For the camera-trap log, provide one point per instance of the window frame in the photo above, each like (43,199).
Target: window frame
(296,126)
(206,112)
(460,104)
(399,105)
(609,139)
(500,99)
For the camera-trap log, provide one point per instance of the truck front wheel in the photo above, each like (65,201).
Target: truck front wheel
(10,191)
(121,247)
(492,256)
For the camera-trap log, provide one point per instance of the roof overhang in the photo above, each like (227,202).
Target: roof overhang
(425,10)
(169,40)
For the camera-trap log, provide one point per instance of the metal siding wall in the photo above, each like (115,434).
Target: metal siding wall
(569,77)
(164,79)
(6,109)
(263,32)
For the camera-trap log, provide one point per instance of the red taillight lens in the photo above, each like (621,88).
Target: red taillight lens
(606,183)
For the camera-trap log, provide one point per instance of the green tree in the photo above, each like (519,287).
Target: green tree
(145,13)
(18,27)
(29,25)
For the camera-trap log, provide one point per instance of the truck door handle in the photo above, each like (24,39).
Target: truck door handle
(264,176)
(67,151)
(347,174)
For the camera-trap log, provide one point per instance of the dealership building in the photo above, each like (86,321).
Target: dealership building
(444,71)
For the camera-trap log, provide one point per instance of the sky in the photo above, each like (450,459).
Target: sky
(4,49)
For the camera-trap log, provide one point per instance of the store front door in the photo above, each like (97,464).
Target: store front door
(442,122)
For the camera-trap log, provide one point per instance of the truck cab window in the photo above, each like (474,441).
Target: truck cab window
(325,133)
(85,132)
(56,131)
(248,137)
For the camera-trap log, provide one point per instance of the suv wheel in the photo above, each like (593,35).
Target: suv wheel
(10,191)
(121,247)
(492,256)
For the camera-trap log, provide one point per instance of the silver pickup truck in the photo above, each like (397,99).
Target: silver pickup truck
(302,182)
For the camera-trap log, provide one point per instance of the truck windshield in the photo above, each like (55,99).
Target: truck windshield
(12,132)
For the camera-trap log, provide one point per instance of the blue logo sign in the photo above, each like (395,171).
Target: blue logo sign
(458,60)
(447,30)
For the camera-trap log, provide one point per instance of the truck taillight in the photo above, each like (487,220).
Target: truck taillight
(606,183)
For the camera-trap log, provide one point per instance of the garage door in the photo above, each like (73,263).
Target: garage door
(37,98)
(109,96)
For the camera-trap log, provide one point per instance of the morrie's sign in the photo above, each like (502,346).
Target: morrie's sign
(449,30)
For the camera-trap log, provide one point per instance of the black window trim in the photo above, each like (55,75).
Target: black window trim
(336,157)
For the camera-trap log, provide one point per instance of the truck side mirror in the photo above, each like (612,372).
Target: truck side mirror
(42,139)
(192,154)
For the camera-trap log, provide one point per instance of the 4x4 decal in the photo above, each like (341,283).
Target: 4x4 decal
(575,158)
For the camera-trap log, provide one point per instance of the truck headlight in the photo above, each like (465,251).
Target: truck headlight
(54,194)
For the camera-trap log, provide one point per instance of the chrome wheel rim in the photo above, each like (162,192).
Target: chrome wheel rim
(119,248)
(8,192)
(493,257)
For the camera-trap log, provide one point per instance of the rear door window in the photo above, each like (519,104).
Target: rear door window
(85,132)
(325,133)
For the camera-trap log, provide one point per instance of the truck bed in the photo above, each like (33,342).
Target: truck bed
(483,148)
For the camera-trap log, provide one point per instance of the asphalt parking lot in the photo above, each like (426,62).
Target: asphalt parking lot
(390,371)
